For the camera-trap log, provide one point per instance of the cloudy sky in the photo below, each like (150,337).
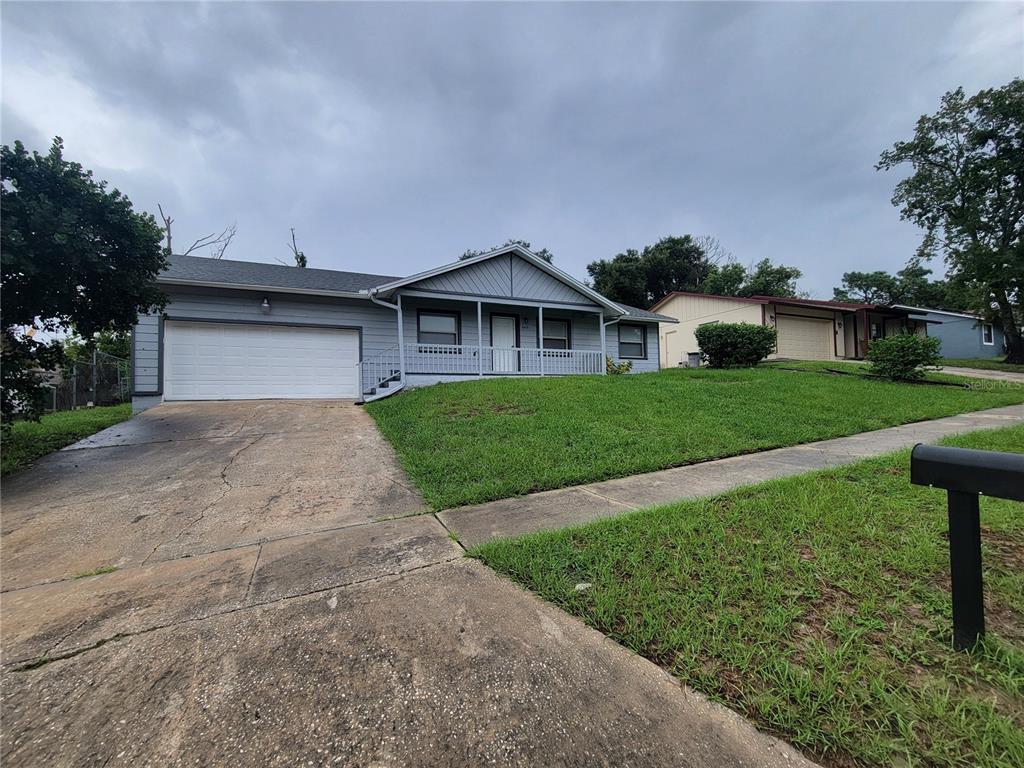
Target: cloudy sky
(393,137)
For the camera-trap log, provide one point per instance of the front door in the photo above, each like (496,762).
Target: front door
(504,338)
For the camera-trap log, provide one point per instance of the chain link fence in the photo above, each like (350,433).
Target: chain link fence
(101,380)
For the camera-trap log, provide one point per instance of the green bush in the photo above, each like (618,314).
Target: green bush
(615,368)
(904,356)
(725,345)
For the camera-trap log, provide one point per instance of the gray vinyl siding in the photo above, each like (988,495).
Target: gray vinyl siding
(377,325)
(961,336)
(505,276)
(146,354)
(653,360)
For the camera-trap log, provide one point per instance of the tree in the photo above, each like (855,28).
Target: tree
(966,191)
(725,280)
(769,279)
(867,288)
(113,343)
(217,243)
(622,278)
(686,263)
(75,256)
(639,278)
(908,286)
(761,279)
(299,256)
(544,253)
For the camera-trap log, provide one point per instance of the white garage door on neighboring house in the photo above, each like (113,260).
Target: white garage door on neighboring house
(804,338)
(229,361)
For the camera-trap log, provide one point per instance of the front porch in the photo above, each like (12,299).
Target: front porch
(445,340)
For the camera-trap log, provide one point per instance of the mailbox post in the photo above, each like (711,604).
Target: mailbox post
(964,474)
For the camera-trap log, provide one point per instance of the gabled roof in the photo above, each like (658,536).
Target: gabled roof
(635,313)
(203,271)
(844,306)
(523,253)
(923,310)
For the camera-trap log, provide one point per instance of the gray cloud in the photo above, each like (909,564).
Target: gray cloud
(394,136)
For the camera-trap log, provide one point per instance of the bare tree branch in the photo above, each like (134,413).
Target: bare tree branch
(219,242)
(167,226)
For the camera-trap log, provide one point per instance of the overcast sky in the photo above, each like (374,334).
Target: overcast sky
(393,137)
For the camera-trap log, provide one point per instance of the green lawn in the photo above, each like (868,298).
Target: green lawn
(472,442)
(818,606)
(29,440)
(986,364)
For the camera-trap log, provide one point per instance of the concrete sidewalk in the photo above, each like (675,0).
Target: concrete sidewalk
(583,503)
(984,373)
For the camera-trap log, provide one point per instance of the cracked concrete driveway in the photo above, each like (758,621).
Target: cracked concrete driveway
(278,599)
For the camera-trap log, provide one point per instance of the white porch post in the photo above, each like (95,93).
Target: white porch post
(540,337)
(604,348)
(480,338)
(401,338)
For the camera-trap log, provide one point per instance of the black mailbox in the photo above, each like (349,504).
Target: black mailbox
(964,474)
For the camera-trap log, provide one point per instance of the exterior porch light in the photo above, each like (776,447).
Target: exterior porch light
(265,305)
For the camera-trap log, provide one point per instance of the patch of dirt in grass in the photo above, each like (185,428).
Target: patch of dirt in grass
(1008,548)
(496,409)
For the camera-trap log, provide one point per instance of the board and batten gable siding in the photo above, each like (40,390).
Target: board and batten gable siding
(677,341)
(506,276)
(376,324)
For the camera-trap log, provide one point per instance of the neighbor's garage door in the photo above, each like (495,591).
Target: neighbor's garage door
(223,361)
(804,338)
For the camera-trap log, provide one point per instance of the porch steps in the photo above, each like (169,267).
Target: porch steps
(388,386)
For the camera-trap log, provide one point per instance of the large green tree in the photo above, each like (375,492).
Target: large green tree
(639,278)
(685,263)
(966,190)
(908,286)
(75,258)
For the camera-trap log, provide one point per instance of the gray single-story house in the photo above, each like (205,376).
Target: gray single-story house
(962,335)
(236,330)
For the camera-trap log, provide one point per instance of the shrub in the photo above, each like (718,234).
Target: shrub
(723,345)
(905,356)
(616,368)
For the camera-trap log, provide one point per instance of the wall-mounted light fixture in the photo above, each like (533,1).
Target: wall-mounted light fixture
(265,306)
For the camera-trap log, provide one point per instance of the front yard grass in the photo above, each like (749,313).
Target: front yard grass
(818,606)
(985,364)
(29,440)
(477,441)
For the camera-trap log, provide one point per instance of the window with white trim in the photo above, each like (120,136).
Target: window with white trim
(988,337)
(557,334)
(632,342)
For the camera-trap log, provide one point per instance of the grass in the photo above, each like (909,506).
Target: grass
(477,441)
(96,572)
(986,364)
(818,606)
(30,440)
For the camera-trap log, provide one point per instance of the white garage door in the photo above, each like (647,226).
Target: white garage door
(225,361)
(804,338)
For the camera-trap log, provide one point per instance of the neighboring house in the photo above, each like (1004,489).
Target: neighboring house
(807,329)
(962,335)
(242,330)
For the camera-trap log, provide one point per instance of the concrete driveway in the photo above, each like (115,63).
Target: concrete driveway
(280,599)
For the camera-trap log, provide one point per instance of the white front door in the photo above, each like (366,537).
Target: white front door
(235,361)
(504,356)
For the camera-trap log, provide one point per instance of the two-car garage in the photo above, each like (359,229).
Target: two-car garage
(242,361)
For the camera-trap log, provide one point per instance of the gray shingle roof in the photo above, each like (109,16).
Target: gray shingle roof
(643,314)
(201,269)
(205,270)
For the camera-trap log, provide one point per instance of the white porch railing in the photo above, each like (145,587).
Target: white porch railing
(379,370)
(468,359)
